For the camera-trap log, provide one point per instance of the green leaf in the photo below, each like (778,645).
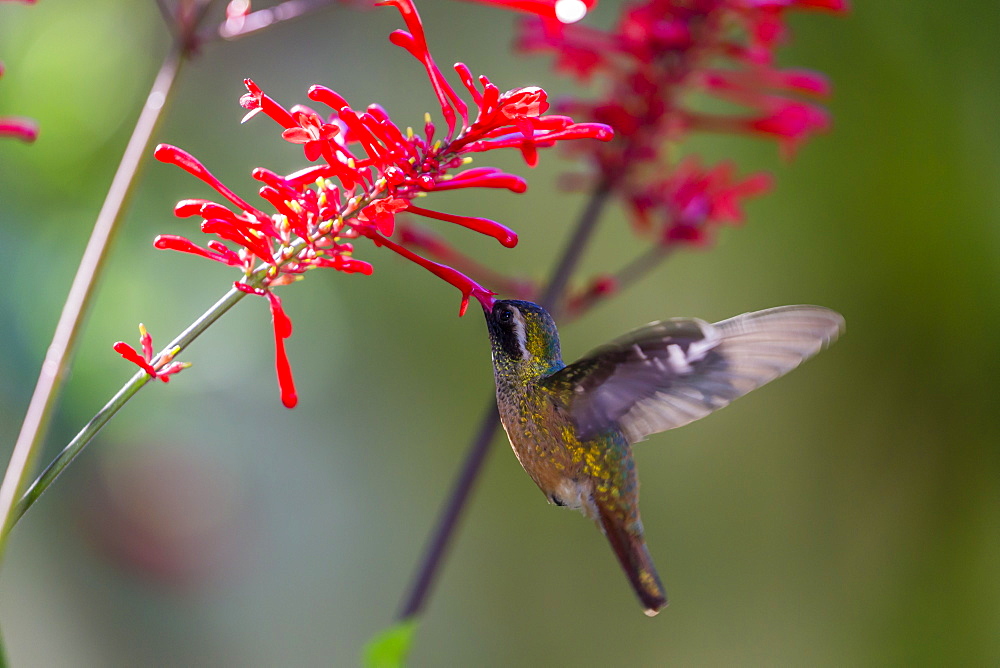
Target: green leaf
(388,648)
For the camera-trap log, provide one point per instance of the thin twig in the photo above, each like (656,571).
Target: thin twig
(256,21)
(552,295)
(641,265)
(440,538)
(631,273)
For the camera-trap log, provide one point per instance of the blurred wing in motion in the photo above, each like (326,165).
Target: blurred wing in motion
(669,373)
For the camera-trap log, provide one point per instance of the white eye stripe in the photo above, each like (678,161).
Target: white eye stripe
(520,334)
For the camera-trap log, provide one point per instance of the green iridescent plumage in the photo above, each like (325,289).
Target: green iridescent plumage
(572,427)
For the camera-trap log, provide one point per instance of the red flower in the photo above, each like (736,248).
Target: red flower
(382,214)
(24,129)
(162,368)
(312,132)
(367,170)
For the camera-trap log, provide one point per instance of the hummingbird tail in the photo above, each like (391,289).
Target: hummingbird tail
(630,548)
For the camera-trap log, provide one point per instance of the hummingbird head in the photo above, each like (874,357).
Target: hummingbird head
(524,337)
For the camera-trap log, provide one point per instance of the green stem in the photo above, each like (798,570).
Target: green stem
(81,295)
(136,383)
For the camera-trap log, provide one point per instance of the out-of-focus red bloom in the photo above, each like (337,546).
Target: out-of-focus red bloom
(162,368)
(561,11)
(366,171)
(686,205)
(24,129)
(600,287)
(660,64)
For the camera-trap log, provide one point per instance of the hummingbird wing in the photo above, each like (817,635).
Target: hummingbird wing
(669,373)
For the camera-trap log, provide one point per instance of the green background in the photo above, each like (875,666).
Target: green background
(846,515)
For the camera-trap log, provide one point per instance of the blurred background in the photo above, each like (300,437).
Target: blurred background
(846,515)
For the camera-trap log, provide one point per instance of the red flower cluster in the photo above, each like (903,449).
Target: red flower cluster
(162,368)
(692,197)
(24,129)
(661,63)
(368,170)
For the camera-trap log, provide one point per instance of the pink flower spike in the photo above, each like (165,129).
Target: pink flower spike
(282,330)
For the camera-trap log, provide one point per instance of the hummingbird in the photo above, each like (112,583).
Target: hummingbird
(572,427)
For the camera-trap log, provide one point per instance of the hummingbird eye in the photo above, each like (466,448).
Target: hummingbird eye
(506,315)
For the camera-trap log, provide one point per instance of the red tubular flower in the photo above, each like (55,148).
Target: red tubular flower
(421,239)
(161,368)
(282,330)
(468,286)
(366,170)
(24,129)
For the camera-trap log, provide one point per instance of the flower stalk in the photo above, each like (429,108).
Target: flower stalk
(129,390)
(81,294)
